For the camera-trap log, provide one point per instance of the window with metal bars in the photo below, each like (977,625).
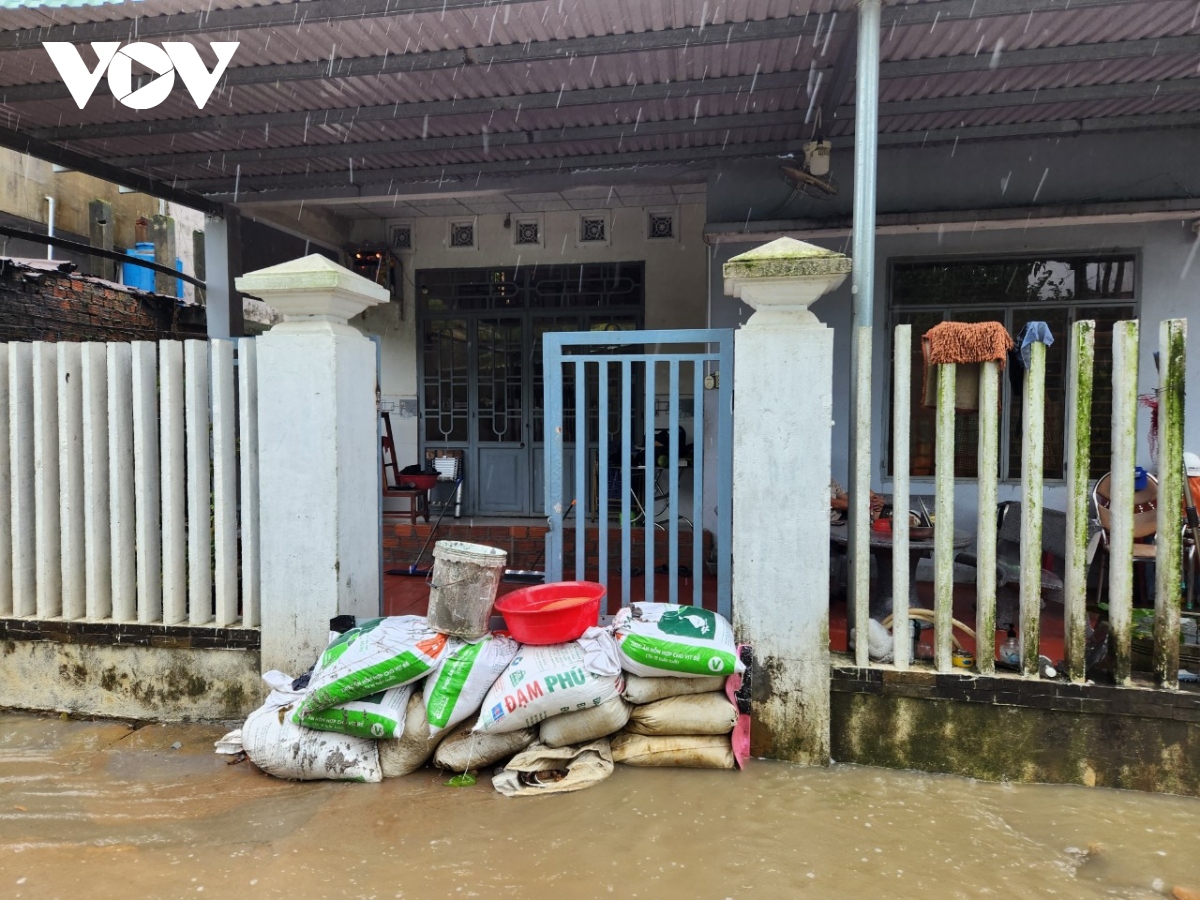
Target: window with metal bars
(1057,289)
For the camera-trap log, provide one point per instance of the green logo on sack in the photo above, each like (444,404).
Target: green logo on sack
(346,640)
(517,677)
(693,622)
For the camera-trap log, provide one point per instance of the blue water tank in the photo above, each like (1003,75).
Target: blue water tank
(139,277)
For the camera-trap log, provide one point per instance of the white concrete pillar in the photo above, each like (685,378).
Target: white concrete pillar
(22,494)
(122,507)
(6,557)
(48,560)
(97,546)
(318,455)
(783,381)
(199,483)
(70,469)
(173,477)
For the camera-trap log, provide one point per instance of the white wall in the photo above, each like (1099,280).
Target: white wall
(676,279)
(1168,288)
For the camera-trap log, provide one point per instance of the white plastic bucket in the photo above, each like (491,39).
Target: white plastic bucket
(463,587)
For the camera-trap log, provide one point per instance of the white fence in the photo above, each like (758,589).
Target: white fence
(120,481)
(1081,356)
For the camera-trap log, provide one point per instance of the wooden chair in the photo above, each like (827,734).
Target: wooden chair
(417,500)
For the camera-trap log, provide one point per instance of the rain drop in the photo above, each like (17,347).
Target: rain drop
(995,60)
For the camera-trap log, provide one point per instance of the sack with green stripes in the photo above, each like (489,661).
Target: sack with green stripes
(377,655)
(657,639)
(465,673)
(379,716)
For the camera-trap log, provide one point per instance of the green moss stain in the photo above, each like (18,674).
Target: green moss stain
(234,700)
(786,257)
(1016,743)
(76,673)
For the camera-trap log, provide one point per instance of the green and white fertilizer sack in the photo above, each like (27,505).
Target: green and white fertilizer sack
(463,676)
(377,655)
(379,716)
(657,639)
(544,681)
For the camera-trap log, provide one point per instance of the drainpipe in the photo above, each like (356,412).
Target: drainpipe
(866,146)
(50,227)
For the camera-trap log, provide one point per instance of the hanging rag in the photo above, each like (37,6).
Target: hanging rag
(965,344)
(1033,331)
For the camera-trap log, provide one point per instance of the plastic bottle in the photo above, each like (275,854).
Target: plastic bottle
(1010,650)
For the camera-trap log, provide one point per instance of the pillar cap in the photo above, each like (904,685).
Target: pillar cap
(313,287)
(780,280)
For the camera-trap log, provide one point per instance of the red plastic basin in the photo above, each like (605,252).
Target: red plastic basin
(531,622)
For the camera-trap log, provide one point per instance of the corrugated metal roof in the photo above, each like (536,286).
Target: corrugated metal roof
(1050,63)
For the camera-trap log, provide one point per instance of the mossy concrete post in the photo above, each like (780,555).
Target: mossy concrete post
(318,440)
(783,382)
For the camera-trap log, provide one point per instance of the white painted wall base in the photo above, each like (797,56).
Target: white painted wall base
(130,682)
(318,446)
(318,487)
(781,452)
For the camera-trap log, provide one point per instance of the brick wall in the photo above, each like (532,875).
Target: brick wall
(39,302)
(525,545)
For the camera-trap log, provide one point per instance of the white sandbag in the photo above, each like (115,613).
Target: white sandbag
(585,725)
(658,639)
(377,655)
(412,748)
(699,714)
(462,678)
(692,751)
(380,716)
(544,681)
(549,770)
(463,750)
(279,747)
(639,690)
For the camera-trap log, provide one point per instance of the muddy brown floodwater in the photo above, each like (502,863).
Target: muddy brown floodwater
(97,810)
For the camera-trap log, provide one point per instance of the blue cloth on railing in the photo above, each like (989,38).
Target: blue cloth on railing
(1033,331)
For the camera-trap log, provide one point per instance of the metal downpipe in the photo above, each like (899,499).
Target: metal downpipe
(866,151)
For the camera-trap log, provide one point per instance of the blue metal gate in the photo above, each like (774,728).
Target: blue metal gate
(632,439)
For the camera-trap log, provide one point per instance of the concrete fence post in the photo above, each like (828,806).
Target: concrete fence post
(318,435)
(783,382)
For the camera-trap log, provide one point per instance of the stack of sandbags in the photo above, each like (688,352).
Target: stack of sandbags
(677,660)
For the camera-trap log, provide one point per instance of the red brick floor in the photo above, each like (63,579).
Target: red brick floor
(405,595)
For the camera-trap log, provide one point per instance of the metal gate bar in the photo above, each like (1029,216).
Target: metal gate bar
(579,350)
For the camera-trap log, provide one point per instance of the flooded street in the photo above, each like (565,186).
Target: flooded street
(99,810)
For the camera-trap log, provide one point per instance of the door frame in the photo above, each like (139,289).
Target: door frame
(526,282)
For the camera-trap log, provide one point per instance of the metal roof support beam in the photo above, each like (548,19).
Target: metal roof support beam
(1033,129)
(1041,56)
(536,51)
(1138,90)
(224,158)
(437,176)
(337,184)
(79,162)
(313,12)
(349,115)
(866,164)
(962,10)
